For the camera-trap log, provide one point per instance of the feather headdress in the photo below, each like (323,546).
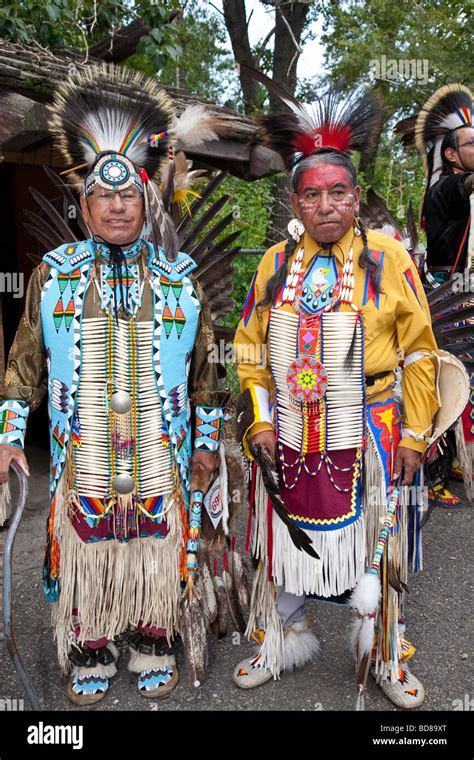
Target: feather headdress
(112,125)
(111,109)
(332,122)
(448,109)
(197,125)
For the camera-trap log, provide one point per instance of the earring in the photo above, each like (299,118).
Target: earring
(296,229)
(357,229)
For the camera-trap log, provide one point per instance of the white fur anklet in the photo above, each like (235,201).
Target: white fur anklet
(301,646)
(139,662)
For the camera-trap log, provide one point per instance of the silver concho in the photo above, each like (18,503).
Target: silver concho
(123,483)
(121,402)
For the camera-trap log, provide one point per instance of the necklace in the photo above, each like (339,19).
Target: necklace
(343,290)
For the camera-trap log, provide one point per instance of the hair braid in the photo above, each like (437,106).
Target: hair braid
(279,278)
(367,261)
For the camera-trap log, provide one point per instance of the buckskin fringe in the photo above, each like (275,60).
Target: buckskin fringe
(115,585)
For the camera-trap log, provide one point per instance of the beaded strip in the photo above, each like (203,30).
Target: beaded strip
(384,533)
(293,278)
(343,293)
(194,528)
(109,389)
(135,390)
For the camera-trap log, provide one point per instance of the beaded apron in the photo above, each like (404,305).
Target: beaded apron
(316,358)
(109,445)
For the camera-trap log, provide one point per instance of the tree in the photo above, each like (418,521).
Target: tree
(407,50)
(203,66)
(428,39)
(291,18)
(79,24)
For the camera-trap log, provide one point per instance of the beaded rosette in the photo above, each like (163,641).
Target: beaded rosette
(316,355)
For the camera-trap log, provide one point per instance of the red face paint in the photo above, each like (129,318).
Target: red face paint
(326,202)
(323,177)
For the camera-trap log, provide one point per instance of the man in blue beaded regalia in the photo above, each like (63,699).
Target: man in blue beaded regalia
(117,332)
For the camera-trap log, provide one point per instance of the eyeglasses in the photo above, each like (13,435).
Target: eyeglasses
(336,196)
(469,142)
(107,196)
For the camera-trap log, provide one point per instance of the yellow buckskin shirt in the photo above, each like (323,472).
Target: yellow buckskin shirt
(397,326)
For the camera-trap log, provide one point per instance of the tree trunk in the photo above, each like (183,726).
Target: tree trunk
(286,53)
(236,23)
(290,18)
(285,59)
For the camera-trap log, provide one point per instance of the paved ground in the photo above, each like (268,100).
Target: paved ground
(439,623)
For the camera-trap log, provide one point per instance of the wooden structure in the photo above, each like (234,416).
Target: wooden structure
(29,77)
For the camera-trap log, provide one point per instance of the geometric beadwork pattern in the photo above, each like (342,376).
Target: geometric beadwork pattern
(307,379)
(318,287)
(63,313)
(58,393)
(13,416)
(208,428)
(171,354)
(63,395)
(57,441)
(178,398)
(172,313)
(129,296)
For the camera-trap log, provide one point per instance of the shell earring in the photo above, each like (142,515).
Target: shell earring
(357,229)
(296,229)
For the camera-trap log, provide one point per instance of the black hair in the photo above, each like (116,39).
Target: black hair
(365,260)
(450,140)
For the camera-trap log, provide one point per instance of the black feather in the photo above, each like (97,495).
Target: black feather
(212,233)
(40,230)
(53,215)
(70,198)
(406,128)
(441,307)
(203,221)
(198,203)
(453,318)
(270,481)
(454,333)
(216,249)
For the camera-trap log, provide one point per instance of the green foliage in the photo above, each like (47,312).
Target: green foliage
(204,62)
(60,23)
(398,178)
(426,43)
(79,24)
(252,204)
(249,201)
(436,31)
(356,36)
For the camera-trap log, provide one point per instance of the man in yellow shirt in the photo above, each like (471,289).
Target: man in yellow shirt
(329,317)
